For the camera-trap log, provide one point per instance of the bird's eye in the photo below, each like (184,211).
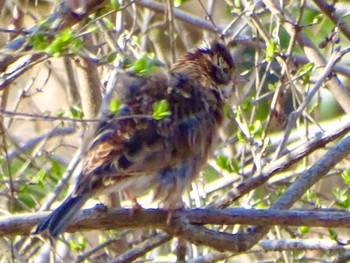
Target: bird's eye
(221,61)
(221,71)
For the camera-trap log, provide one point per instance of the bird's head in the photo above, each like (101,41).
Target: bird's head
(210,64)
(217,61)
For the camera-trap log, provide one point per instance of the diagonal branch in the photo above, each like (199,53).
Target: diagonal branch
(340,93)
(301,184)
(281,164)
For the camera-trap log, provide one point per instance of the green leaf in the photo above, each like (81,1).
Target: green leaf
(111,6)
(343,202)
(40,176)
(226,163)
(59,113)
(303,229)
(63,42)
(271,49)
(256,128)
(309,195)
(241,137)
(114,4)
(39,41)
(59,43)
(228,110)
(342,199)
(260,203)
(91,28)
(346,176)
(332,233)
(76,44)
(272,86)
(237,3)
(26,198)
(178,3)
(238,110)
(107,58)
(76,112)
(56,169)
(143,66)
(114,105)
(161,109)
(305,71)
(78,244)
(247,103)
(111,57)
(108,23)
(318,18)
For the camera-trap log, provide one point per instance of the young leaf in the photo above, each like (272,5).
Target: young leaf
(63,42)
(226,163)
(144,65)
(161,109)
(114,105)
(303,229)
(40,176)
(76,112)
(39,41)
(271,49)
(346,176)
(79,244)
(256,128)
(333,233)
(178,3)
(305,71)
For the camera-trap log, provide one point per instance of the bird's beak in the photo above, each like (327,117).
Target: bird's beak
(236,81)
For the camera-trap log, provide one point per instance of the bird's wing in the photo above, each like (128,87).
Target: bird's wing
(131,142)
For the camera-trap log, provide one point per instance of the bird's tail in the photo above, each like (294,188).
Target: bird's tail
(59,219)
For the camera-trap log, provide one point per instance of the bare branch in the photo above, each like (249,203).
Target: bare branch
(299,187)
(29,144)
(142,248)
(334,84)
(279,165)
(329,10)
(186,219)
(297,244)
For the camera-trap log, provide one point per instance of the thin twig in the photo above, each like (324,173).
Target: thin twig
(36,117)
(279,165)
(340,93)
(142,248)
(335,58)
(305,181)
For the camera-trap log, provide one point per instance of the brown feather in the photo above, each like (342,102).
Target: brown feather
(131,151)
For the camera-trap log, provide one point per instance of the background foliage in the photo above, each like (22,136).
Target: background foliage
(58,58)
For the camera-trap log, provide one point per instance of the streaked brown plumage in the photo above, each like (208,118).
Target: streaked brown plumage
(137,154)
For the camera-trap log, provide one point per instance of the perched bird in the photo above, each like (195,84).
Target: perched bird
(132,152)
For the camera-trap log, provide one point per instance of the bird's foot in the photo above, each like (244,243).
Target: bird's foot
(135,206)
(171,212)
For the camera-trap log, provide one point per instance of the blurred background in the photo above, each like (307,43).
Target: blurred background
(57,59)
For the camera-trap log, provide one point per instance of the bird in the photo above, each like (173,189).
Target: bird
(130,151)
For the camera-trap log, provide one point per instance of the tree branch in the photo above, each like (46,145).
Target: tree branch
(305,181)
(185,223)
(60,18)
(333,84)
(329,10)
(141,249)
(279,165)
